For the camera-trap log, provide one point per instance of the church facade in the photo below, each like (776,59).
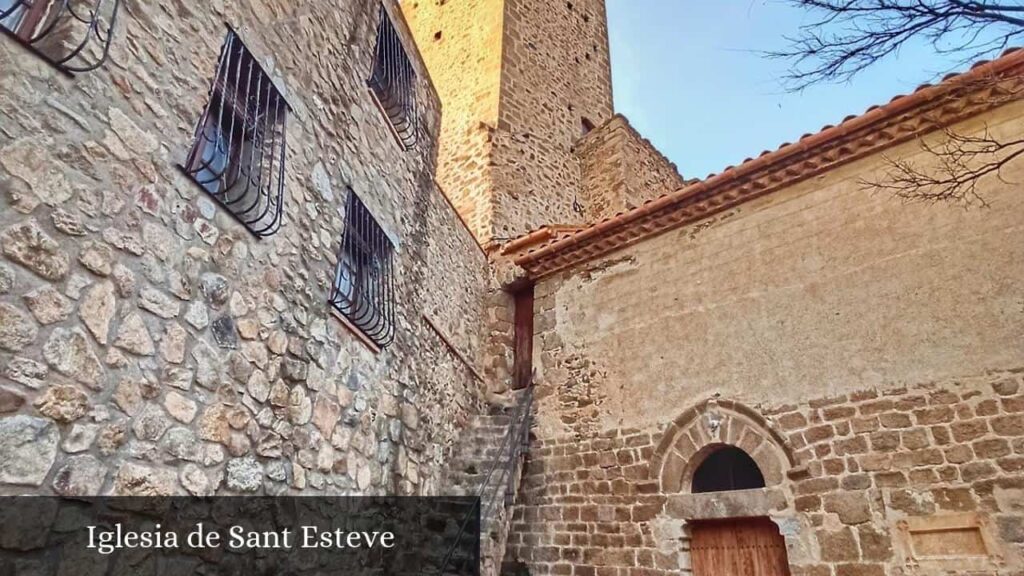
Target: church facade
(265,247)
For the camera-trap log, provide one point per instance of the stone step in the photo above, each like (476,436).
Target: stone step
(475,466)
(475,469)
(496,419)
(471,481)
(460,491)
(500,416)
(479,453)
(488,549)
(481,448)
(460,465)
(470,447)
(473,445)
(475,490)
(488,430)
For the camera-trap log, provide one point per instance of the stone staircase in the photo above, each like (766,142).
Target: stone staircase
(488,462)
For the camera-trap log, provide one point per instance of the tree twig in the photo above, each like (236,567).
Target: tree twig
(958,166)
(850,36)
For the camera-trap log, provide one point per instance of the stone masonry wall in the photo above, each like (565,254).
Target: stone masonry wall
(461,46)
(866,463)
(621,170)
(821,288)
(150,345)
(517,79)
(875,344)
(557,72)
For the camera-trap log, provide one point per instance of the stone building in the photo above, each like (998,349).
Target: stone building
(772,365)
(151,343)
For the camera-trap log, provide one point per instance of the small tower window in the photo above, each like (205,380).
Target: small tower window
(73,36)
(238,153)
(727,469)
(586,125)
(393,82)
(364,284)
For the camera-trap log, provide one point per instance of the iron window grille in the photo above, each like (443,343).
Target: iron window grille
(393,82)
(364,280)
(73,35)
(238,151)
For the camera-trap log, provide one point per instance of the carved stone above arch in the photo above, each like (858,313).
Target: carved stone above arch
(706,427)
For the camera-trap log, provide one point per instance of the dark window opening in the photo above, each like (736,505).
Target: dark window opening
(364,284)
(72,36)
(393,82)
(587,125)
(522,365)
(727,469)
(238,154)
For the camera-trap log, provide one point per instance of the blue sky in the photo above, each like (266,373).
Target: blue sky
(688,75)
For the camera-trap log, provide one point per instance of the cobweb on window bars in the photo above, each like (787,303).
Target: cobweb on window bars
(238,154)
(73,35)
(364,283)
(393,82)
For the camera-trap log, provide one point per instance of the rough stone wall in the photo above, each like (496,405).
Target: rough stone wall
(149,344)
(867,463)
(880,340)
(516,78)
(461,46)
(821,284)
(500,312)
(586,506)
(557,72)
(621,170)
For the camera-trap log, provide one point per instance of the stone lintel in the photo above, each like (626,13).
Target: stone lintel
(719,505)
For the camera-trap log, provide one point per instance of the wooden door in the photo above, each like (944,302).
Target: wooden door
(747,547)
(522,371)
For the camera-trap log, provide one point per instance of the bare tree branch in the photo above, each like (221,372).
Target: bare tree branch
(850,36)
(957,168)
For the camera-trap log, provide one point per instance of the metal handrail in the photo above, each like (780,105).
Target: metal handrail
(514,442)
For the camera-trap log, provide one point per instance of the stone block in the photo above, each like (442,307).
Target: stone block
(838,546)
(28,448)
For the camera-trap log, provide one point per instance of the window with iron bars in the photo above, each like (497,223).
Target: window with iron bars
(73,35)
(238,151)
(364,280)
(393,82)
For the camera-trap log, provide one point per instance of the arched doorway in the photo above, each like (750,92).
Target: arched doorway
(727,467)
(703,430)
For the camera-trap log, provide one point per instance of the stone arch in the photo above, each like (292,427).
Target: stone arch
(707,427)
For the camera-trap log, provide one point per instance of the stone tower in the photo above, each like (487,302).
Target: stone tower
(521,81)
